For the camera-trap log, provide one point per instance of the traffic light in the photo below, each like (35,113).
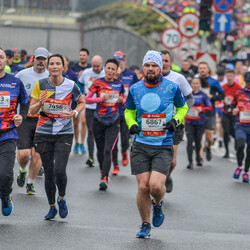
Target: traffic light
(205,15)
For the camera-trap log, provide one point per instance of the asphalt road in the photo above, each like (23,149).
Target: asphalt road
(207,209)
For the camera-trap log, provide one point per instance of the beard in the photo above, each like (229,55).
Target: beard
(152,78)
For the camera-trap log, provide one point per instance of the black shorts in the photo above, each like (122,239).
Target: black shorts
(26,133)
(44,143)
(210,122)
(178,135)
(146,158)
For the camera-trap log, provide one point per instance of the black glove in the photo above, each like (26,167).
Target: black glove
(134,129)
(170,126)
(229,108)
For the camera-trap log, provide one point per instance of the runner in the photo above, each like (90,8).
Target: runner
(150,116)
(79,69)
(128,78)
(109,93)
(85,82)
(215,93)
(228,119)
(11,92)
(242,128)
(195,122)
(26,131)
(186,91)
(54,131)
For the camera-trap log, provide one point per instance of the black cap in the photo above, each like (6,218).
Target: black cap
(23,52)
(247,76)
(190,57)
(221,72)
(9,52)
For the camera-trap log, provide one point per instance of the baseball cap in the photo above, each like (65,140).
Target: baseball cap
(9,52)
(247,76)
(119,56)
(41,52)
(16,50)
(220,72)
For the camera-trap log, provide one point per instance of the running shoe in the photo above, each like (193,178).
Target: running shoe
(115,170)
(245,177)
(226,155)
(7,205)
(21,178)
(125,159)
(158,215)
(169,184)
(104,183)
(208,154)
(76,148)
(51,214)
(90,162)
(145,230)
(41,171)
(30,189)
(83,150)
(237,173)
(63,210)
(190,165)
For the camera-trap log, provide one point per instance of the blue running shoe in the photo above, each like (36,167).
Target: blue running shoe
(158,215)
(51,214)
(237,173)
(83,150)
(145,230)
(7,205)
(63,210)
(245,177)
(76,148)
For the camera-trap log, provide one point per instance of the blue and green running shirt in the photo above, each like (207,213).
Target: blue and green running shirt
(149,106)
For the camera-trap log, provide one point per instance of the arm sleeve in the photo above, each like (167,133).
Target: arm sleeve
(81,86)
(90,100)
(130,111)
(190,100)
(24,108)
(181,106)
(220,95)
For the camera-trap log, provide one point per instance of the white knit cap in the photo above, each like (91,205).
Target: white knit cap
(153,56)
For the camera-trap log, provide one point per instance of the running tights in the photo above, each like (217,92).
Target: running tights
(240,146)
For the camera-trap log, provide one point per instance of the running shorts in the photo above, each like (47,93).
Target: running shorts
(210,122)
(146,158)
(26,133)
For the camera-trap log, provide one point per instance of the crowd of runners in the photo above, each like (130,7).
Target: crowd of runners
(46,107)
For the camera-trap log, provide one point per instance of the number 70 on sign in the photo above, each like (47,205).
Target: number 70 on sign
(171,38)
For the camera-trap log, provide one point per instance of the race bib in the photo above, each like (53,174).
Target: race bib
(126,89)
(228,100)
(152,124)
(54,107)
(113,96)
(244,116)
(4,101)
(193,114)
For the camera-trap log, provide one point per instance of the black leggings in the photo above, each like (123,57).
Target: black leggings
(194,134)
(240,147)
(90,138)
(228,122)
(105,137)
(124,140)
(54,152)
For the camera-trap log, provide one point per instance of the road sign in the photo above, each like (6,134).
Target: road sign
(223,5)
(210,58)
(171,38)
(186,48)
(188,25)
(222,22)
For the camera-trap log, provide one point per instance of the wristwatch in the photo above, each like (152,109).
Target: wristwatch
(177,122)
(76,113)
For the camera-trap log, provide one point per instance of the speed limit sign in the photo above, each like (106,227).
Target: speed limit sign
(171,38)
